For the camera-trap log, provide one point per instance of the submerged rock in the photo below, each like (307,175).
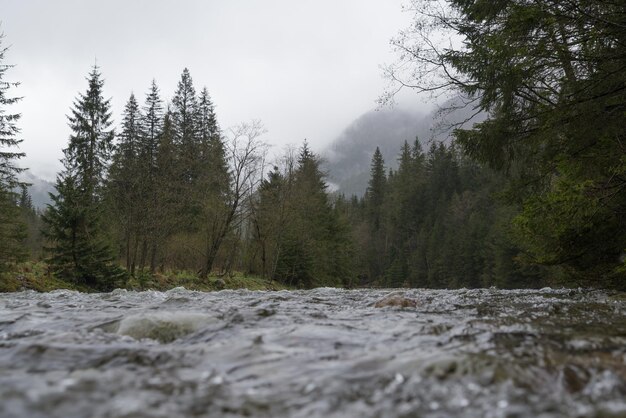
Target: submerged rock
(396,299)
(164,327)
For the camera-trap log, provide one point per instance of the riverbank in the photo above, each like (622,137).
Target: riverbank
(35,276)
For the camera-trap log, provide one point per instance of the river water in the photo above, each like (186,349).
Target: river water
(317,353)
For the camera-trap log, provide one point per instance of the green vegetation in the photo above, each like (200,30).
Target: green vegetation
(437,221)
(550,77)
(38,276)
(532,195)
(12,227)
(79,245)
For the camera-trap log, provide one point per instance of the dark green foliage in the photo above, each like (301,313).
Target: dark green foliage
(375,195)
(79,246)
(214,186)
(9,130)
(129,176)
(80,250)
(440,225)
(167,204)
(304,240)
(152,126)
(12,231)
(186,128)
(12,227)
(33,224)
(550,75)
(152,169)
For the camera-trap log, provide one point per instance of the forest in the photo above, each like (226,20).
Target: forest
(532,196)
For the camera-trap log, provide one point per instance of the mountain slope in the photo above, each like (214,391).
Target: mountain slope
(349,155)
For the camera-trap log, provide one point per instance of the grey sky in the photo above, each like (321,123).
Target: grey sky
(305,68)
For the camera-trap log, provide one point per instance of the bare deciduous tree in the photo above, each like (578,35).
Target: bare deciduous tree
(245,152)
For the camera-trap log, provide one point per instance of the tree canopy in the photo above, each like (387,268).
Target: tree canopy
(551,77)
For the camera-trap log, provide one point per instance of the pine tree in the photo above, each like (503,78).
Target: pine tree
(80,249)
(126,183)
(168,217)
(375,194)
(213,182)
(26,201)
(152,125)
(374,203)
(12,230)
(315,248)
(268,217)
(213,170)
(152,129)
(185,125)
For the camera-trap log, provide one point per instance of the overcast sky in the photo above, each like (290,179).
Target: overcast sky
(305,68)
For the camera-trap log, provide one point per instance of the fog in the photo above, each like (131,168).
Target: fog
(305,69)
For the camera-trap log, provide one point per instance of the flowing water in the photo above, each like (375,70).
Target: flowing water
(318,353)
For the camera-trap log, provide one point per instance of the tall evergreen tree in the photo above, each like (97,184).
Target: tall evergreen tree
(186,128)
(127,180)
(316,249)
(269,217)
(152,129)
(12,230)
(152,125)
(167,214)
(213,184)
(213,169)
(375,194)
(374,205)
(80,250)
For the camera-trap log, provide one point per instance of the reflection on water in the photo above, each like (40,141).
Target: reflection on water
(324,352)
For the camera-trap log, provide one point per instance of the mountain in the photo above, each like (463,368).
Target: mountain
(348,157)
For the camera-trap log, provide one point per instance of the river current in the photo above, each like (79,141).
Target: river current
(317,353)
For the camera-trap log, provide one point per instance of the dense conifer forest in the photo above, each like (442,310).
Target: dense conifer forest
(534,195)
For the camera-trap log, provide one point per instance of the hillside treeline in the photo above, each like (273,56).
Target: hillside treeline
(439,220)
(532,195)
(170,190)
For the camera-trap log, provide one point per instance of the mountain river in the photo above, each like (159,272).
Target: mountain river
(315,353)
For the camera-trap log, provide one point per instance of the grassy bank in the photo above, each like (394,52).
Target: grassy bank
(35,276)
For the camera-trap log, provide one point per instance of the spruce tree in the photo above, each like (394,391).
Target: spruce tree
(152,129)
(152,124)
(168,217)
(12,230)
(374,204)
(315,248)
(212,186)
(268,218)
(213,170)
(127,177)
(79,246)
(375,194)
(185,125)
